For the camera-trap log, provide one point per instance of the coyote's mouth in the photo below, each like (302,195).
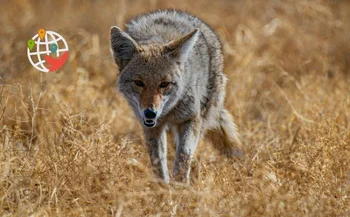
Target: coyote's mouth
(149,123)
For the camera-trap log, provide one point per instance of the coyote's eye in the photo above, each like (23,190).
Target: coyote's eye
(164,84)
(139,83)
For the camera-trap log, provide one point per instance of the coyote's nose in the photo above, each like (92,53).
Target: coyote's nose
(150,113)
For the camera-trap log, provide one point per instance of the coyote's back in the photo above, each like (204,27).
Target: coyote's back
(171,72)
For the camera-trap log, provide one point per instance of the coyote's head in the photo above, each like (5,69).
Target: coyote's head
(151,76)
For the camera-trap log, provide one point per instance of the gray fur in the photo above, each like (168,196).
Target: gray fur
(176,47)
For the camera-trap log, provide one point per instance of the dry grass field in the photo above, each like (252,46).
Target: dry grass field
(70,145)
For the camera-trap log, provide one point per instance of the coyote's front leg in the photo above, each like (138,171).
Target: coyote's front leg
(155,139)
(187,139)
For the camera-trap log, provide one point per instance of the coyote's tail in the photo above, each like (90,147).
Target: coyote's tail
(225,137)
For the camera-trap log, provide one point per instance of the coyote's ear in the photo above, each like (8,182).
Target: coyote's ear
(123,47)
(181,47)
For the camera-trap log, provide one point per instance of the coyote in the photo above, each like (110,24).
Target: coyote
(171,73)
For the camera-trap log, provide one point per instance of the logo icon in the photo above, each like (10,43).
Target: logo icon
(47,51)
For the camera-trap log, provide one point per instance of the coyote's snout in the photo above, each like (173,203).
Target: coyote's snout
(150,117)
(151,99)
(170,65)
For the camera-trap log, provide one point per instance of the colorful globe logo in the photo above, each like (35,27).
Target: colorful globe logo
(47,51)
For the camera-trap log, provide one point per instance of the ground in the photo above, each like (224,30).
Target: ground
(70,145)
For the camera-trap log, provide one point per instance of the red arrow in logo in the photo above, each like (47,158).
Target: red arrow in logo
(56,63)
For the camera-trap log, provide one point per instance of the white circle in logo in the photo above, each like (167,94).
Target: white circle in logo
(43,47)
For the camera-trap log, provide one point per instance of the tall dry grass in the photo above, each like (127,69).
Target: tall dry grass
(70,145)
